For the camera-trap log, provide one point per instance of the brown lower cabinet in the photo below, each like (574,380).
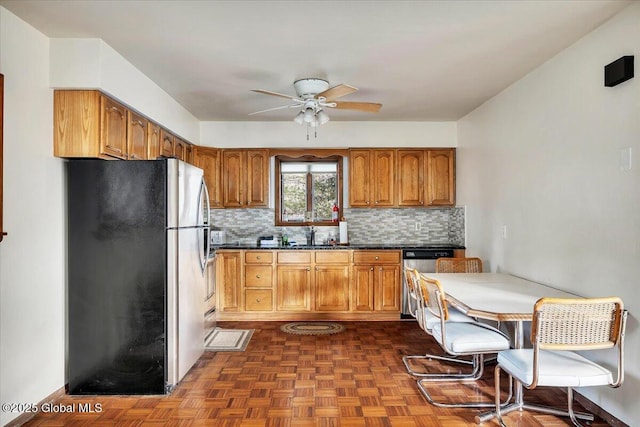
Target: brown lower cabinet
(309,285)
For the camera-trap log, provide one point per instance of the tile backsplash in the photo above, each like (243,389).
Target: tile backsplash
(366,226)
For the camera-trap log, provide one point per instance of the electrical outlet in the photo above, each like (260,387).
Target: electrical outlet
(418,226)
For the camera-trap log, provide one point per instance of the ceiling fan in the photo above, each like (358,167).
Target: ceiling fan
(313,95)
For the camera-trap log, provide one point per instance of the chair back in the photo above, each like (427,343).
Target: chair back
(411,274)
(458,265)
(578,324)
(434,297)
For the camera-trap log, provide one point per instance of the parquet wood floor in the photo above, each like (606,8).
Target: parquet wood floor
(352,379)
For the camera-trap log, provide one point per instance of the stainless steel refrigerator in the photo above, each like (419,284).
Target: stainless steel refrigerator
(137,256)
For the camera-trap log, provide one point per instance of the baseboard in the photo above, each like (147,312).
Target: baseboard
(23,418)
(598,411)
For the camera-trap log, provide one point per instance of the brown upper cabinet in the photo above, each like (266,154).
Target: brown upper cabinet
(426,177)
(167,143)
(411,170)
(153,143)
(208,159)
(180,149)
(419,177)
(88,123)
(441,177)
(245,178)
(137,136)
(371,178)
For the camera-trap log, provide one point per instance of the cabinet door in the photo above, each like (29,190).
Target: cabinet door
(332,288)
(363,288)
(208,159)
(233,182)
(113,139)
(383,178)
(257,181)
(388,284)
(359,178)
(441,177)
(179,148)
(189,154)
(137,136)
(293,288)
(229,294)
(153,144)
(166,143)
(410,173)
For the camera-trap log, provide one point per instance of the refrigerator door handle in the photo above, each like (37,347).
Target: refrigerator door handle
(206,247)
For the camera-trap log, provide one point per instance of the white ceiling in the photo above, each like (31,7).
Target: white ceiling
(423,60)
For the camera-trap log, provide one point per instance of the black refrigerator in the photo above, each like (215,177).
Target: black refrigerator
(136,255)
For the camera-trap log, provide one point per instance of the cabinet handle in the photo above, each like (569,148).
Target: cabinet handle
(258,257)
(258,300)
(368,202)
(377,201)
(371,269)
(317,269)
(380,269)
(249,202)
(377,258)
(257,276)
(308,268)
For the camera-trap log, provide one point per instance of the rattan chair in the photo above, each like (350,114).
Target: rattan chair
(458,265)
(426,321)
(559,328)
(458,339)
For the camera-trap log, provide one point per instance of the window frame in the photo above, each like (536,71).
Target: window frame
(278,187)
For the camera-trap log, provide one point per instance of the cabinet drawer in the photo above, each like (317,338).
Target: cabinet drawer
(258,276)
(258,300)
(258,257)
(332,257)
(294,257)
(376,257)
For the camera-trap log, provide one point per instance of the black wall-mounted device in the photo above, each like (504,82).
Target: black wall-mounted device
(618,71)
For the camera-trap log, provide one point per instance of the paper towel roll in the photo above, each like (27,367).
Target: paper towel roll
(344,236)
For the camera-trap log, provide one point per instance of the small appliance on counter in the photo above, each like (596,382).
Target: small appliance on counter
(267,241)
(217,237)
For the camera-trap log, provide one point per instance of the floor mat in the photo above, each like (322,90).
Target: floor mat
(228,339)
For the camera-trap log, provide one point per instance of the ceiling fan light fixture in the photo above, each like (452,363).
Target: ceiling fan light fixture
(309,115)
(322,117)
(299,118)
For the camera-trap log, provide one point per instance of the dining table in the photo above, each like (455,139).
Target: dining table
(499,297)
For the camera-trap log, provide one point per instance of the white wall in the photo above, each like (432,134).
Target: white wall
(32,258)
(93,64)
(542,158)
(331,135)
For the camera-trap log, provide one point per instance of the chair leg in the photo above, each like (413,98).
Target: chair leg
(406,360)
(572,414)
(497,392)
(538,408)
(478,363)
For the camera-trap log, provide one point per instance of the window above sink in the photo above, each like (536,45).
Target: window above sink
(307,187)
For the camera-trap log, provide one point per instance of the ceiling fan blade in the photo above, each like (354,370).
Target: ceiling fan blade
(267,92)
(275,108)
(336,92)
(368,107)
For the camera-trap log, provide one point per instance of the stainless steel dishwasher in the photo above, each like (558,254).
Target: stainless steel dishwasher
(423,260)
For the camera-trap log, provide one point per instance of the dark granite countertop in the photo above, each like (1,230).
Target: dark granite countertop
(374,246)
